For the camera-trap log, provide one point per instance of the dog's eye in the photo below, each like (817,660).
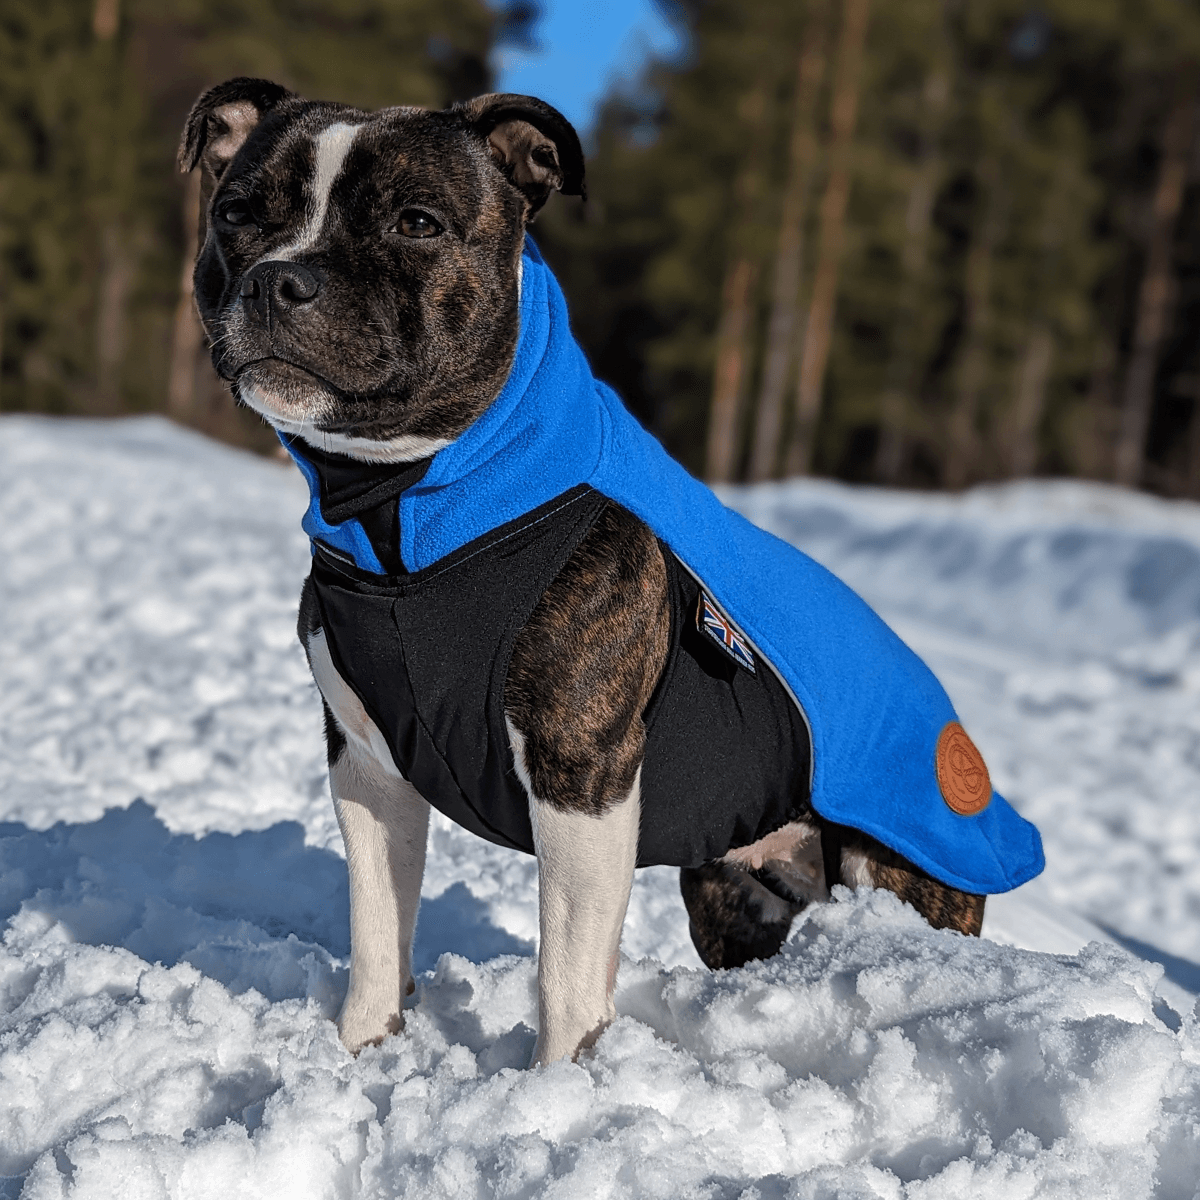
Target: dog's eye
(414,223)
(236,212)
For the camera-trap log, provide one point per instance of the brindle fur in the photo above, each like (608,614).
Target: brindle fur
(585,665)
(733,918)
(942,906)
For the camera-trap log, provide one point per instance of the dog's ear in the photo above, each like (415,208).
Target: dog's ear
(533,144)
(221,121)
(217,128)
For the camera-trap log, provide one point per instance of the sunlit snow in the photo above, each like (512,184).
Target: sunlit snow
(175,901)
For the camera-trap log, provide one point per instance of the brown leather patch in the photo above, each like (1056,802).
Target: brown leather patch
(962,774)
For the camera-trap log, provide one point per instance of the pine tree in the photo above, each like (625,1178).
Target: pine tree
(818,327)
(787,269)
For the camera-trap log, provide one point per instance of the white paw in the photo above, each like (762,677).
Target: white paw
(569,1043)
(363,1023)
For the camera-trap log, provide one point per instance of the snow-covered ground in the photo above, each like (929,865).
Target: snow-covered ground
(175,902)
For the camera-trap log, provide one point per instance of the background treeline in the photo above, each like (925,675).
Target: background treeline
(95,224)
(924,242)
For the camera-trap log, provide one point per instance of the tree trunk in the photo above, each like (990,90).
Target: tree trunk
(789,255)
(106,16)
(1193,459)
(1089,427)
(818,330)
(730,370)
(188,335)
(737,299)
(111,315)
(963,442)
(1156,295)
(1030,400)
(918,218)
(116,262)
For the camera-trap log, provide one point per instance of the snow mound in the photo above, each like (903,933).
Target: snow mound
(149,589)
(873,1057)
(174,901)
(1051,566)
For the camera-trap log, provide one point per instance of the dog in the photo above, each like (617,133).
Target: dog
(520,609)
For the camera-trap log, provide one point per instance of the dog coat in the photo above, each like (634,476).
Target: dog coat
(781,683)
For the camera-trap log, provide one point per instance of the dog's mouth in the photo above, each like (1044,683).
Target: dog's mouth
(288,396)
(296,400)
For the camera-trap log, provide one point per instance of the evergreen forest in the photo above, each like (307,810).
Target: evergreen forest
(923,243)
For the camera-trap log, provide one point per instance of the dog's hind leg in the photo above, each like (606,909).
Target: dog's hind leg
(384,822)
(732,917)
(866,861)
(741,907)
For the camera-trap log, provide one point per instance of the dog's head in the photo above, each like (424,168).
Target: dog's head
(358,272)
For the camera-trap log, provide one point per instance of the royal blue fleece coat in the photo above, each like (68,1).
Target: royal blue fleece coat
(873,709)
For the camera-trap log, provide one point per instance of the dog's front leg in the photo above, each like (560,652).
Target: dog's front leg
(585,872)
(582,672)
(384,825)
(384,822)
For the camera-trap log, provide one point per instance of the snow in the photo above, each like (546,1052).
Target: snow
(175,909)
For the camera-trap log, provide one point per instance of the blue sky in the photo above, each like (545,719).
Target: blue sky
(585,45)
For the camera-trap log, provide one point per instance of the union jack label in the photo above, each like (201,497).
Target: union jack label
(710,621)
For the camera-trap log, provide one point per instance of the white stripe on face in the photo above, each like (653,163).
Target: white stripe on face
(331,147)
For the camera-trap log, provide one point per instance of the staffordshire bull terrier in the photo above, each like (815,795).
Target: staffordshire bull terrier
(520,610)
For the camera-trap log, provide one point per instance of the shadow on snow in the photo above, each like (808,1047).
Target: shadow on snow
(256,909)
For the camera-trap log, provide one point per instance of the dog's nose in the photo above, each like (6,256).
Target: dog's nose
(274,288)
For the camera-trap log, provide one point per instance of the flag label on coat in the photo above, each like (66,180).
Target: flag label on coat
(710,621)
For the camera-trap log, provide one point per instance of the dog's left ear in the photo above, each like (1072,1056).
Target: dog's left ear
(535,146)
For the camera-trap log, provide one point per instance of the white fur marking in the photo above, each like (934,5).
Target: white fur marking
(347,707)
(856,869)
(585,872)
(331,146)
(385,825)
(406,448)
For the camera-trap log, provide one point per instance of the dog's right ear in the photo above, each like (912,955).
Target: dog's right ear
(221,121)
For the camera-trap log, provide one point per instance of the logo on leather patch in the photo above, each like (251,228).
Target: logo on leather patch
(962,774)
(710,621)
